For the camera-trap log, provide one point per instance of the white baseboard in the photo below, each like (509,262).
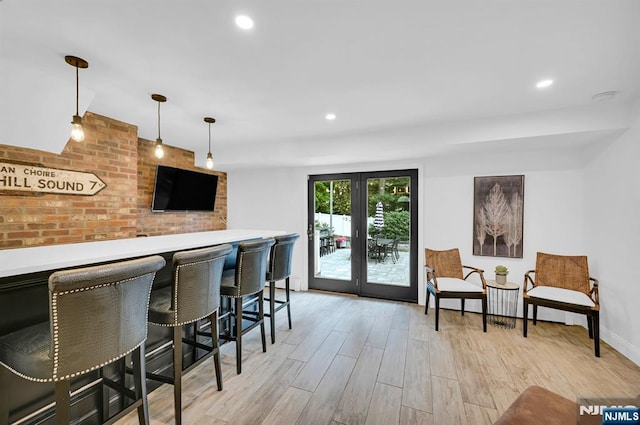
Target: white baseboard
(621,345)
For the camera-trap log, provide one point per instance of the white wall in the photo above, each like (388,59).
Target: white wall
(612,234)
(272,199)
(566,205)
(553,222)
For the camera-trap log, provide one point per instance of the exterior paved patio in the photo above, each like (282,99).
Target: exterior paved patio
(337,265)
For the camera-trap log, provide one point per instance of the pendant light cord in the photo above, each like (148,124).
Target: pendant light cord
(159,138)
(77,91)
(209,137)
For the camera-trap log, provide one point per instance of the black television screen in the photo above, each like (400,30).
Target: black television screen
(176,189)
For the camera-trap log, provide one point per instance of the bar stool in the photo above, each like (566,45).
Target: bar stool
(97,315)
(194,294)
(247,279)
(280,268)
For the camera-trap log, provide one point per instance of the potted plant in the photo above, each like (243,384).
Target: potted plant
(501,274)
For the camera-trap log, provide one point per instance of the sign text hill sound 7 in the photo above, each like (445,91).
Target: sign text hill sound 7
(36,179)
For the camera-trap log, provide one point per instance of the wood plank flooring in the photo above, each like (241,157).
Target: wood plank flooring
(351,360)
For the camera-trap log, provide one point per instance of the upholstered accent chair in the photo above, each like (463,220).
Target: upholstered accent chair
(280,259)
(194,295)
(445,280)
(97,315)
(562,282)
(537,405)
(245,284)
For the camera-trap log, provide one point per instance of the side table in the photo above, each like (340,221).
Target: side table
(502,303)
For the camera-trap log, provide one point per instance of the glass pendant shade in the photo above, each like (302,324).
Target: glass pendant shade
(159,152)
(77,132)
(210,161)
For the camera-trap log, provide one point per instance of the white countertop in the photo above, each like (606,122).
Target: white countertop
(52,257)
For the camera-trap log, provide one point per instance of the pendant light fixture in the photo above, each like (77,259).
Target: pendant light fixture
(159,149)
(77,132)
(210,121)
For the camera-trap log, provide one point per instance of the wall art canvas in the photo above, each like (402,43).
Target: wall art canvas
(498,213)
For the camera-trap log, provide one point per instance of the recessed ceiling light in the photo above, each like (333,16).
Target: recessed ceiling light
(244,22)
(544,84)
(330,116)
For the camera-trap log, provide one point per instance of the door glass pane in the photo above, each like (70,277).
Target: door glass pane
(388,228)
(332,233)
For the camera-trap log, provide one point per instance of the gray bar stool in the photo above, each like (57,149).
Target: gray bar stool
(97,315)
(247,279)
(194,294)
(280,260)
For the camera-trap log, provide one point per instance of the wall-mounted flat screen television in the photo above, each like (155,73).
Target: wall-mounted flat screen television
(176,189)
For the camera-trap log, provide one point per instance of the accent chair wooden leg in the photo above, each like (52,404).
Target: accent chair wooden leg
(63,405)
(272,310)
(437,312)
(525,316)
(535,314)
(590,326)
(484,314)
(177,373)
(426,304)
(596,333)
(462,306)
(216,349)
(140,384)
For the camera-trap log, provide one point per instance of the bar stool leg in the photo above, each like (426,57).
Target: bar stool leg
(216,350)
(238,335)
(5,383)
(177,373)
(286,288)
(140,384)
(103,407)
(62,402)
(261,318)
(272,310)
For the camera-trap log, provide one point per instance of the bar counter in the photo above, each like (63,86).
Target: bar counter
(24,274)
(14,262)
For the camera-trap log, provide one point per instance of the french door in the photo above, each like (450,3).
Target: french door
(362,230)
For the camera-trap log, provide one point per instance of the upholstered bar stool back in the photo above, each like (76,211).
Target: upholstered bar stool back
(97,316)
(280,260)
(247,279)
(194,294)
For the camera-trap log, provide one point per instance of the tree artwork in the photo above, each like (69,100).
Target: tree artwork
(481,228)
(498,214)
(513,235)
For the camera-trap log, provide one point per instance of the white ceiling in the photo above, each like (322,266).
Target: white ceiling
(404,77)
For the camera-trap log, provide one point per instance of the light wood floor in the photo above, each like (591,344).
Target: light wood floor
(362,361)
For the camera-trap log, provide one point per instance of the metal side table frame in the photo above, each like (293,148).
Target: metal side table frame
(502,303)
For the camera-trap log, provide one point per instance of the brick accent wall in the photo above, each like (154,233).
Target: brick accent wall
(121,210)
(162,223)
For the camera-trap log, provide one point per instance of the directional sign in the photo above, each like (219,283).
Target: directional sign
(32,178)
